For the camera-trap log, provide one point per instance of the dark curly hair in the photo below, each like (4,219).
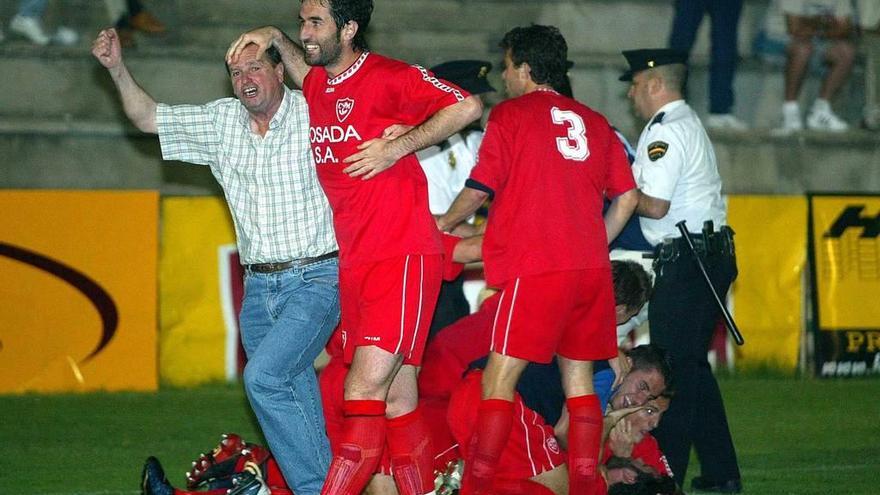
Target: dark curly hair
(543,48)
(359,11)
(649,357)
(632,284)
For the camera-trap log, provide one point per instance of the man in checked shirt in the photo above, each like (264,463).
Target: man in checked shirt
(257,147)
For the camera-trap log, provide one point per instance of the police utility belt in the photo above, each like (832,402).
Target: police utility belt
(284,265)
(707,243)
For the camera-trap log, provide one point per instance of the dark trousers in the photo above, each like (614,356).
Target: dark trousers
(724,16)
(683,316)
(451,305)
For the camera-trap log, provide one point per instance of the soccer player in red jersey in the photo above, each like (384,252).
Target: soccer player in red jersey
(547,161)
(389,248)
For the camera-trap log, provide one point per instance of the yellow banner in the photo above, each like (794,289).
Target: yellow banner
(78,290)
(771,235)
(846,240)
(198,336)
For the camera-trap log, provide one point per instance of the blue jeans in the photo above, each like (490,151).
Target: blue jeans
(724,16)
(286,319)
(32,8)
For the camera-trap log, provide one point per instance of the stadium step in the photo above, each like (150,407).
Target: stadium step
(60,118)
(85,154)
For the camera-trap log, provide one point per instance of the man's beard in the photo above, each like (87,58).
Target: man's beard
(326,57)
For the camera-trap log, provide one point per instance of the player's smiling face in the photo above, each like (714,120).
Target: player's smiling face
(637,388)
(256,83)
(319,35)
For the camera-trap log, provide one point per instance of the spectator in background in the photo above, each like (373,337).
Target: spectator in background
(129,16)
(28,24)
(724,16)
(832,21)
(869,20)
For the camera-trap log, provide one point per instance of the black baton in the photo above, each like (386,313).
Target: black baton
(731,325)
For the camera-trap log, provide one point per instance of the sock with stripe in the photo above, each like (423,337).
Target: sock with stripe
(360,449)
(491,432)
(412,458)
(584,435)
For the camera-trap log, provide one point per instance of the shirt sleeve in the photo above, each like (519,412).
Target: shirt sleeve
(493,159)
(658,167)
(619,178)
(426,95)
(187,133)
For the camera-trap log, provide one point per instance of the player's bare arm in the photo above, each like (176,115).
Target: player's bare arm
(622,207)
(468,250)
(376,155)
(291,54)
(139,106)
(652,207)
(465,204)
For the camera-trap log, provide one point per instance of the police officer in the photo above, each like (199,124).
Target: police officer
(678,179)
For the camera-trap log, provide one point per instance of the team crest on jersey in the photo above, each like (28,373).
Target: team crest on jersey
(657,150)
(344,108)
(552,445)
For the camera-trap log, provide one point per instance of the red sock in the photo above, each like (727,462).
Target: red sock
(412,459)
(584,434)
(360,448)
(494,421)
(520,487)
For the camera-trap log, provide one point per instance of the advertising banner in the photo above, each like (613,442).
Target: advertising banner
(767,297)
(845,253)
(200,293)
(78,290)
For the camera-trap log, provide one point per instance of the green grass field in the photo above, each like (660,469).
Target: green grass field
(793,436)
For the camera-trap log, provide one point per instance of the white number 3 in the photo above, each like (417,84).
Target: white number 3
(573,147)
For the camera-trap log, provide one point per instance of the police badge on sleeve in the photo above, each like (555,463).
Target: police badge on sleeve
(657,150)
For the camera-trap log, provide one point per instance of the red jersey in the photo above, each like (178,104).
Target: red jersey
(549,161)
(449,353)
(387,215)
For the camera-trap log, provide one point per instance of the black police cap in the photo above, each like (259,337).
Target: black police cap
(470,75)
(649,58)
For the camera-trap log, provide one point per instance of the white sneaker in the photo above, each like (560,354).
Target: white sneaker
(65,36)
(725,121)
(30,28)
(826,120)
(791,122)
(822,118)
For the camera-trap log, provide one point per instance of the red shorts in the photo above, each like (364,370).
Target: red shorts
(389,304)
(531,449)
(570,313)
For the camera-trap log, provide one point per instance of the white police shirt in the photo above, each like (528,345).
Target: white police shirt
(447,167)
(675,162)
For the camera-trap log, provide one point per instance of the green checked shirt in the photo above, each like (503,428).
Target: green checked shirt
(278,207)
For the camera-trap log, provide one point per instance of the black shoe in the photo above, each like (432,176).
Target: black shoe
(153,481)
(703,484)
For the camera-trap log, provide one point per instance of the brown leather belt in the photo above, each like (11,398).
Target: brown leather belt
(284,265)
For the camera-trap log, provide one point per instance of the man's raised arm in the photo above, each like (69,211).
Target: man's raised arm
(291,54)
(139,106)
